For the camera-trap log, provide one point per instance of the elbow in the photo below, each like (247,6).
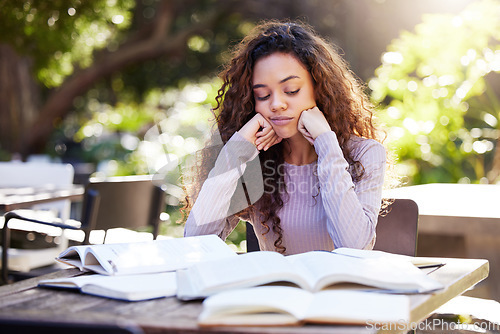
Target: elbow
(368,242)
(363,238)
(371,244)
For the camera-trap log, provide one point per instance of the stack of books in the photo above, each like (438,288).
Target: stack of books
(345,286)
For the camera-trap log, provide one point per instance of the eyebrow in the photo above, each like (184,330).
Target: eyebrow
(282,81)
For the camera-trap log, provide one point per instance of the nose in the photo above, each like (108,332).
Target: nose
(278,103)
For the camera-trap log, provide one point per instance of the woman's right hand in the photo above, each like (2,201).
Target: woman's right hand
(260,132)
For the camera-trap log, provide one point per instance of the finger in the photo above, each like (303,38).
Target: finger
(307,135)
(269,141)
(252,127)
(275,141)
(302,120)
(302,129)
(264,134)
(265,128)
(265,141)
(272,141)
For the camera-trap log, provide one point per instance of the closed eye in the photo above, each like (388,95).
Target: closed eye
(262,98)
(293,92)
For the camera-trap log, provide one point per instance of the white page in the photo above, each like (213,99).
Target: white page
(385,273)
(248,269)
(73,256)
(69,282)
(130,287)
(358,307)
(134,287)
(156,256)
(260,299)
(371,254)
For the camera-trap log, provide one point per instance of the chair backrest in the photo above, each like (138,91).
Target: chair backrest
(396,231)
(128,202)
(39,174)
(15,174)
(252,241)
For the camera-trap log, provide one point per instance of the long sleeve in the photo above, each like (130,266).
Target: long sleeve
(222,193)
(352,208)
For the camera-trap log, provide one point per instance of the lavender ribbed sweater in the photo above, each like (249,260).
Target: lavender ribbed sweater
(324,209)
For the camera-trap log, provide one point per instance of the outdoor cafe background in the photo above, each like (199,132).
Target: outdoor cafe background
(79,86)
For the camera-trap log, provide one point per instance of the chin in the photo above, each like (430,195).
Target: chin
(286,134)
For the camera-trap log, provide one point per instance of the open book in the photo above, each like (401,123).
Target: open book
(312,271)
(281,305)
(420,262)
(146,257)
(128,287)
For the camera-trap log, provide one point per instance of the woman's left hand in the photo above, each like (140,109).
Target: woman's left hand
(312,123)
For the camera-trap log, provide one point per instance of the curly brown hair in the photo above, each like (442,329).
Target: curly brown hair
(337,93)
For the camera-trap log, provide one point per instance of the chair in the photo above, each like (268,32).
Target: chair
(39,174)
(396,231)
(126,202)
(37,251)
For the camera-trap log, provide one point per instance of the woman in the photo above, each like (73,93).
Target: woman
(289,98)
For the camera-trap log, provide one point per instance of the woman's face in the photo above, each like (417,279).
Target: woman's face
(282,88)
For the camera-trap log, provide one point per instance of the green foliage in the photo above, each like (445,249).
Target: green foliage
(62,34)
(171,121)
(165,130)
(201,60)
(436,92)
(112,125)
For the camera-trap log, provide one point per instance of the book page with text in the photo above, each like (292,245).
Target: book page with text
(155,256)
(248,269)
(385,273)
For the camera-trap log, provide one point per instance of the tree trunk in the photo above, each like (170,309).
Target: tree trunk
(19,100)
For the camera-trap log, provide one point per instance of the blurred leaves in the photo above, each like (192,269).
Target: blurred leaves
(62,34)
(437,89)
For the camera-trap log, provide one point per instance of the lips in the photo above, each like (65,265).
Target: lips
(281,120)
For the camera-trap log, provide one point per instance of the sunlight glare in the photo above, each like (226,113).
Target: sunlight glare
(394,112)
(490,119)
(392,58)
(117,19)
(479,146)
(412,86)
(411,125)
(457,21)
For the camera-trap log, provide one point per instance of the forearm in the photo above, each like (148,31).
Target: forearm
(213,205)
(352,209)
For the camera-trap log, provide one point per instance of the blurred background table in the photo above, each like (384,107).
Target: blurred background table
(25,197)
(38,247)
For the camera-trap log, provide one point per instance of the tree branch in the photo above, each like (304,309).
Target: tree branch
(159,43)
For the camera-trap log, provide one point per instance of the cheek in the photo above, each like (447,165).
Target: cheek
(311,97)
(259,109)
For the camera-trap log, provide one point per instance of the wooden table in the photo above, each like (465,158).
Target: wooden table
(458,220)
(24,301)
(25,197)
